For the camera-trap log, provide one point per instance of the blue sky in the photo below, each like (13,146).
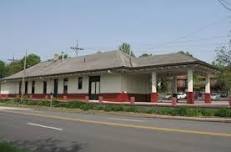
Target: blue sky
(45,27)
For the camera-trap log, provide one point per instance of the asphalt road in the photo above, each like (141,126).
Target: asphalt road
(49,131)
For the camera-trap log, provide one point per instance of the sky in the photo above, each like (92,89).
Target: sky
(46,27)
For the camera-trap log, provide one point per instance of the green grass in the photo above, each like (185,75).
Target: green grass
(173,111)
(7,147)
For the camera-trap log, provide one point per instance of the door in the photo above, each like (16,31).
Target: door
(94,87)
(55,87)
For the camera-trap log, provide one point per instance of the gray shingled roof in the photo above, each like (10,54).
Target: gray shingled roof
(101,61)
(165,59)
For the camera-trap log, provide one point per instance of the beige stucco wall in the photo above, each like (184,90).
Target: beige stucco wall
(139,83)
(9,88)
(73,85)
(109,83)
(38,87)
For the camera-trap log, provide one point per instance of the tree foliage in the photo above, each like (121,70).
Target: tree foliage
(62,55)
(223,63)
(16,66)
(223,58)
(126,48)
(186,53)
(2,69)
(145,55)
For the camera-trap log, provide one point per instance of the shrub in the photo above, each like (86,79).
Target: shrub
(7,147)
(224,112)
(131,109)
(86,106)
(174,111)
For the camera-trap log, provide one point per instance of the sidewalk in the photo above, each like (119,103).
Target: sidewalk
(168,103)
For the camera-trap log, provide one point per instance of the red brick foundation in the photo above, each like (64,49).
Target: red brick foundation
(116,97)
(190,97)
(207,98)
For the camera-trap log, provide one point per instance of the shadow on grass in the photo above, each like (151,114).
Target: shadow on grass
(48,145)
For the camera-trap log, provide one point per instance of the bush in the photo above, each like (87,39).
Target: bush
(7,147)
(86,106)
(224,112)
(174,111)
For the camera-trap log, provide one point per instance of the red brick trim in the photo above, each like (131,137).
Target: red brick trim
(8,96)
(117,97)
(72,96)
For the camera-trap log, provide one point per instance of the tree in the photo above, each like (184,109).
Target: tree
(145,55)
(31,60)
(186,53)
(223,63)
(2,69)
(126,48)
(223,57)
(17,66)
(14,67)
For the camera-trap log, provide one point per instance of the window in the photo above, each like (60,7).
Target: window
(65,86)
(80,83)
(26,87)
(33,87)
(44,87)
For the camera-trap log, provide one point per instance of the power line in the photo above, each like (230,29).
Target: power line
(204,39)
(76,48)
(228,3)
(191,33)
(224,4)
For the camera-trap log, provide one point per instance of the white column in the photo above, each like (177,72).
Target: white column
(154,89)
(190,80)
(207,85)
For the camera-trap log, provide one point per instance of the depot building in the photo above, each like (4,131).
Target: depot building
(113,76)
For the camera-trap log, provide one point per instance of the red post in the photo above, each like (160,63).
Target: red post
(65,97)
(100,99)
(154,97)
(46,97)
(207,97)
(230,102)
(190,97)
(132,100)
(174,100)
(87,98)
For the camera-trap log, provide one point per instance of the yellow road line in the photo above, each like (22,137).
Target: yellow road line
(127,125)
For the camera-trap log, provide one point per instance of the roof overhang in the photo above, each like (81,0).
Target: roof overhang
(200,67)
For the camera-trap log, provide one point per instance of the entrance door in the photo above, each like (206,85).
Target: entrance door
(55,87)
(94,87)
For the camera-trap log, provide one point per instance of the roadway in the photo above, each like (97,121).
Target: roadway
(59,131)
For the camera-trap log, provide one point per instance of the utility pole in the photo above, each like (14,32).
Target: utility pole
(76,48)
(23,77)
